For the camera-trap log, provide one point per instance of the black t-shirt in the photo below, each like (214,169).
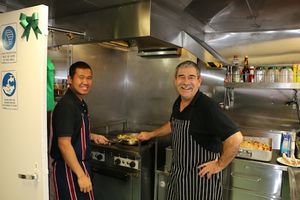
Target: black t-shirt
(209,125)
(67,121)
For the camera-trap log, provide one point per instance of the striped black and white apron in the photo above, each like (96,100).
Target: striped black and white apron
(185,183)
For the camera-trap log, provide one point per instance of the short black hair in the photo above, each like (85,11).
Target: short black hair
(188,63)
(79,64)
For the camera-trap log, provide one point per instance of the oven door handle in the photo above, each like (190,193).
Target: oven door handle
(121,175)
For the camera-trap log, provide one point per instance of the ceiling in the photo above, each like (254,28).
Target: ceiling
(215,15)
(246,15)
(225,23)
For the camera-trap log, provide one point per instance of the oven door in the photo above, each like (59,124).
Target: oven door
(116,185)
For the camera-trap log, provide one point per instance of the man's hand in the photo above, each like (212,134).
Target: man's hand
(209,168)
(85,184)
(99,139)
(144,136)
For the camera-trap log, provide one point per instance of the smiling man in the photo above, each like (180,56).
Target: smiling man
(204,139)
(71,137)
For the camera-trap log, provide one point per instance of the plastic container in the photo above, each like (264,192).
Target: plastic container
(285,147)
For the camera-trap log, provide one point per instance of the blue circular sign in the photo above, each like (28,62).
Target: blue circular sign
(9,84)
(9,37)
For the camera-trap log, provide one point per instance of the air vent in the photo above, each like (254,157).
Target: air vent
(160,52)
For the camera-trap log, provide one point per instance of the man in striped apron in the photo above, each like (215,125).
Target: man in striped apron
(204,140)
(71,138)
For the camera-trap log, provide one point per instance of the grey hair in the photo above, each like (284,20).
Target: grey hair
(188,63)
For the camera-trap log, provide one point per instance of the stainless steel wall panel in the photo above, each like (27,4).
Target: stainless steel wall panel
(107,99)
(151,90)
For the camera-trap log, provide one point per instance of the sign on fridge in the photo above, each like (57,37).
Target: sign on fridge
(9,90)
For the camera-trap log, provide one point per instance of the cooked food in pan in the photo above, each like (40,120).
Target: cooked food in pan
(128,138)
(255,145)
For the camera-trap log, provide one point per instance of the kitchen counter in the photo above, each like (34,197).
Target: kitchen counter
(294,180)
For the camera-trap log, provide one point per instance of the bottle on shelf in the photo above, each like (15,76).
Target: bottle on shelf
(298,73)
(246,70)
(235,69)
(295,71)
(251,74)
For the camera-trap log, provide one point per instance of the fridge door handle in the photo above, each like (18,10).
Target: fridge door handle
(28,176)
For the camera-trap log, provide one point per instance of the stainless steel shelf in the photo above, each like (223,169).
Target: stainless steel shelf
(278,86)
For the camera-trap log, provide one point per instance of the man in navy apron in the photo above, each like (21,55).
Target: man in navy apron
(71,138)
(204,140)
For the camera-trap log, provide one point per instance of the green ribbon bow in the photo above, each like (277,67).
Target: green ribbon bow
(30,22)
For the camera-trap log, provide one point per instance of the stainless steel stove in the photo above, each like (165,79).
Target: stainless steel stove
(123,172)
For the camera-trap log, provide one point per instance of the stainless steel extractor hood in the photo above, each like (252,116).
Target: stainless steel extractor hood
(160,52)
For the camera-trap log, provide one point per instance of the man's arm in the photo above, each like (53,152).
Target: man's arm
(69,156)
(230,148)
(163,130)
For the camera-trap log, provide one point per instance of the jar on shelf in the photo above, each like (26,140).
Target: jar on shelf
(291,75)
(286,75)
(236,70)
(283,75)
(235,74)
(272,75)
(259,75)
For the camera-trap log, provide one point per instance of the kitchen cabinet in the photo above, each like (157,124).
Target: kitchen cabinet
(254,180)
(244,179)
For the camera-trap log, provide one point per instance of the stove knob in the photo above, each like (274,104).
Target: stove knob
(99,157)
(117,161)
(132,164)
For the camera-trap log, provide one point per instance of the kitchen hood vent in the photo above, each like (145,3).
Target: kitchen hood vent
(160,52)
(117,45)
